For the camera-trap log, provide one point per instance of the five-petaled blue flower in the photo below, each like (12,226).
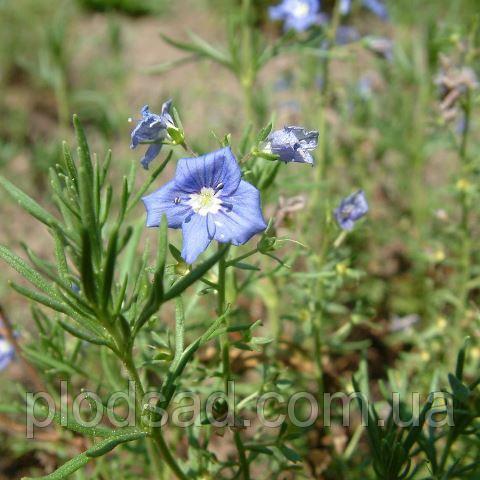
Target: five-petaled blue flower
(292,144)
(152,128)
(208,200)
(378,7)
(7,352)
(351,209)
(298,15)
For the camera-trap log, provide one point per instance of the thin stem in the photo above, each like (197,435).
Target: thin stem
(222,265)
(226,371)
(241,257)
(156,432)
(179,331)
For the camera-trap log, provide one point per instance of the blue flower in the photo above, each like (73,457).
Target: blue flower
(378,7)
(208,200)
(152,128)
(7,352)
(298,15)
(292,144)
(351,209)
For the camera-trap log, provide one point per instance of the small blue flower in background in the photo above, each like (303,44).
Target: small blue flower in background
(351,209)
(292,144)
(7,352)
(298,15)
(152,128)
(347,34)
(378,7)
(208,200)
(345,6)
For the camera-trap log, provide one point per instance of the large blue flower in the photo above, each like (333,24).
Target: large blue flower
(292,144)
(351,209)
(298,15)
(7,352)
(152,128)
(208,200)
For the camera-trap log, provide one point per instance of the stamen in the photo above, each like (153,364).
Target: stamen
(219,187)
(177,200)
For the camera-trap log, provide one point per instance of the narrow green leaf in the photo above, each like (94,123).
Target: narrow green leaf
(66,469)
(195,274)
(461,359)
(84,150)
(83,334)
(109,268)
(28,204)
(245,266)
(69,164)
(62,266)
(460,391)
(88,275)
(40,298)
(264,133)
(110,443)
(290,454)
(27,272)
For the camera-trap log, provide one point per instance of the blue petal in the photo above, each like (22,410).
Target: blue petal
(277,12)
(150,128)
(197,232)
(302,156)
(215,170)
(241,218)
(7,353)
(345,6)
(152,151)
(163,201)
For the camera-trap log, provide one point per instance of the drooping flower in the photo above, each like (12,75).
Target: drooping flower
(351,209)
(292,144)
(298,15)
(152,129)
(7,352)
(208,200)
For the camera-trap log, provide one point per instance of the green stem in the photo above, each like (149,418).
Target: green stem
(226,371)
(465,252)
(157,435)
(225,343)
(320,170)
(179,331)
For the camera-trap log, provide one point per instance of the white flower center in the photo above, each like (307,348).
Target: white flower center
(300,9)
(205,202)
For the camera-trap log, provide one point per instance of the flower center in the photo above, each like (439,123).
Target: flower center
(300,9)
(205,202)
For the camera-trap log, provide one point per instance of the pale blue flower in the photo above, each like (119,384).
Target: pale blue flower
(208,200)
(298,15)
(292,144)
(152,129)
(351,209)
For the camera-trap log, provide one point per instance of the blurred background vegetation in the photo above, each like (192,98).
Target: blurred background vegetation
(405,293)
